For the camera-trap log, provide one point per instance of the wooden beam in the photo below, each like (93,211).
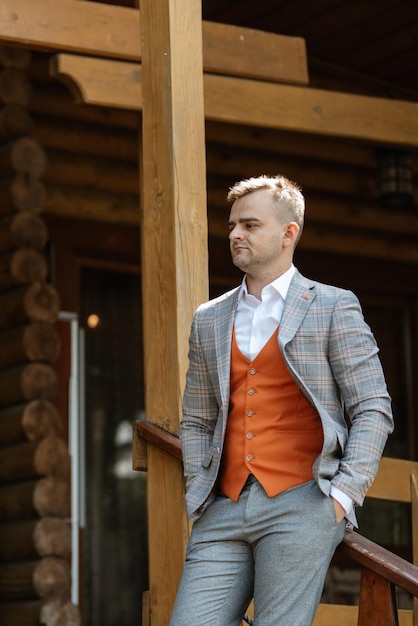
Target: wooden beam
(238,51)
(255,103)
(311,110)
(174,261)
(100,81)
(81,27)
(97,29)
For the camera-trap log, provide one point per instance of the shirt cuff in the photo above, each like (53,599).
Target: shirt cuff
(346,502)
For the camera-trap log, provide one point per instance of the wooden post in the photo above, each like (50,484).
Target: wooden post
(377,606)
(174,259)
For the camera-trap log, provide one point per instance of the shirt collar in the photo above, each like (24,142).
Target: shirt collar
(280,284)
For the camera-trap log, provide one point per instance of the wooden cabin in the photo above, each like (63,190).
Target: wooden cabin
(121,129)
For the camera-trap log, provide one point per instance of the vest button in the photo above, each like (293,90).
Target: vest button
(253,370)
(250,413)
(249,435)
(251,391)
(249,457)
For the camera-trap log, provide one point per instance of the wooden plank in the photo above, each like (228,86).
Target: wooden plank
(82,27)
(405,617)
(343,615)
(393,480)
(256,103)
(239,51)
(174,261)
(311,110)
(332,614)
(98,29)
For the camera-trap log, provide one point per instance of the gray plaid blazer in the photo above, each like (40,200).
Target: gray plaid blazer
(332,356)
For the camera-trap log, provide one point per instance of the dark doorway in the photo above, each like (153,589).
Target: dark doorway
(115,551)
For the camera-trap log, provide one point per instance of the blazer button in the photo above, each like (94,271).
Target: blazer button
(249,435)
(253,370)
(250,413)
(251,391)
(249,457)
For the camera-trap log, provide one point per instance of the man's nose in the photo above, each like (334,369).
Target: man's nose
(235,233)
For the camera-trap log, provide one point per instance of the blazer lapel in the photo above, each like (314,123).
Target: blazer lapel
(299,298)
(223,325)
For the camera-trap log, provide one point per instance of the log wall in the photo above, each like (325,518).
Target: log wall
(35,531)
(93,175)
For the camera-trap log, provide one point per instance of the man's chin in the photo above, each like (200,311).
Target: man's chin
(239,262)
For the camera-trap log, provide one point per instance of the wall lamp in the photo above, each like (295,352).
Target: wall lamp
(395,178)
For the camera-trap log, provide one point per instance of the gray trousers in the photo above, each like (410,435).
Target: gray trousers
(276,550)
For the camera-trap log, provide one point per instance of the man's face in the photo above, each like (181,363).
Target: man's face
(255,233)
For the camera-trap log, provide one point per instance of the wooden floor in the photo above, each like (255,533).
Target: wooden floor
(332,614)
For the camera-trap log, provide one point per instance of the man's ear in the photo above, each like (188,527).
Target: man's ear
(291,233)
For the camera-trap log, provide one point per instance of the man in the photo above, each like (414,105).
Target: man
(273,473)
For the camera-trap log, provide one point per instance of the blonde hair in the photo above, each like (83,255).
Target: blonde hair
(287,194)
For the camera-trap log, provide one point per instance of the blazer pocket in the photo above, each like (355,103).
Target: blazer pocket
(207,459)
(342,439)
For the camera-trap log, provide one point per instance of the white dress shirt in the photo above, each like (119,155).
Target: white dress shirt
(255,322)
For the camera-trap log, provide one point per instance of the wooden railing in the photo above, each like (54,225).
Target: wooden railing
(381,570)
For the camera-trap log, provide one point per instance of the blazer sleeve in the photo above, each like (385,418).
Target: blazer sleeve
(356,367)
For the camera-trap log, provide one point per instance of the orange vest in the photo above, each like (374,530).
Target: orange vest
(272,431)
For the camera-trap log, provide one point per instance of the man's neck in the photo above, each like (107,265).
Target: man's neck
(256,284)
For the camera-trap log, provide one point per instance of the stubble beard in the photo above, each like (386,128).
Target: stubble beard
(239,260)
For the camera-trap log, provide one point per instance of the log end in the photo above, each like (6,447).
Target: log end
(42,302)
